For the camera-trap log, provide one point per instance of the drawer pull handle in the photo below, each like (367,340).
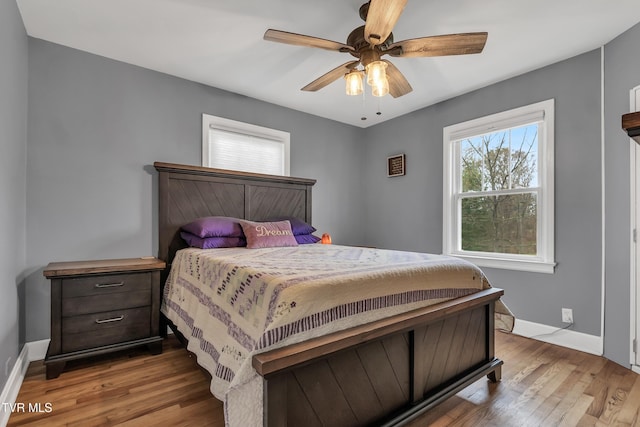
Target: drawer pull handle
(113,319)
(109,285)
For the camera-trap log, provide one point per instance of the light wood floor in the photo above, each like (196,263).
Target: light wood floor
(542,385)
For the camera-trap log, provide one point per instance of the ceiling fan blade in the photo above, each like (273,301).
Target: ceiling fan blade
(330,77)
(381,18)
(398,84)
(450,44)
(307,41)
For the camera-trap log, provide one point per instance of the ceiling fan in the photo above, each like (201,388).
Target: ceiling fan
(371,41)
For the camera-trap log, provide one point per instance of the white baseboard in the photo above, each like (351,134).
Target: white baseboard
(31,352)
(563,337)
(37,349)
(12,387)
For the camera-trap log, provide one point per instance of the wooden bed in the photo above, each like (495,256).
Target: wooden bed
(383,373)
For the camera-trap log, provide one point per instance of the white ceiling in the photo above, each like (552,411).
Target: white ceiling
(219,43)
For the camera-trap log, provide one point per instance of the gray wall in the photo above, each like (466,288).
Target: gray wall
(622,62)
(95,126)
(406,212)
(13,160)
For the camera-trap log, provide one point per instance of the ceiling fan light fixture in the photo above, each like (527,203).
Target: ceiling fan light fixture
(354,80)
(381,87)
(376,73)
(368,42)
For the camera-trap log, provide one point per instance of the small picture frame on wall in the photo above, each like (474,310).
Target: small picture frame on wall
(395,165)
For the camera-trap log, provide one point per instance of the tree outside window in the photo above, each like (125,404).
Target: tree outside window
(494,165)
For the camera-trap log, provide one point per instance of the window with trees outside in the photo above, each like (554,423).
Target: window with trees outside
(498,189)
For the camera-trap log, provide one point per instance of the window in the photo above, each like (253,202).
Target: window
(228,144)
(498,189)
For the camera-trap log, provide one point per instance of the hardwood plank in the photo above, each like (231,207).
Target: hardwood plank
(450,410)
(577,411)
(174,416)
(543,385)
(554,407)
(614,396)
(524,406)
(630,414)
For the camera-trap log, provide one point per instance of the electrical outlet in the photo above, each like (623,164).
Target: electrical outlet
(567,315)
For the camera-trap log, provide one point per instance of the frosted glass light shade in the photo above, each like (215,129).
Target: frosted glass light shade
(381,88)
(354,82)
(376,72)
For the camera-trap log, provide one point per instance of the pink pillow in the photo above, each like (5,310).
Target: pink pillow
(268,234)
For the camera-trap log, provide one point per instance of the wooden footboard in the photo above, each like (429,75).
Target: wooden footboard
(383,373)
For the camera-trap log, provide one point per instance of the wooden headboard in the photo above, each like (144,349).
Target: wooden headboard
(190,192)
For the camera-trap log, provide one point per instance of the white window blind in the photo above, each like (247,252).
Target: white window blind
(248,153)
(228,144)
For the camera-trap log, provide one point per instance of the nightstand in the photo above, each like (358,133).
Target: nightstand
(102,306)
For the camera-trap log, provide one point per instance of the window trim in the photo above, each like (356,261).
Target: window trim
(544,261)
(228,125)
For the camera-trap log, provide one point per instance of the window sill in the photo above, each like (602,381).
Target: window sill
(510,264)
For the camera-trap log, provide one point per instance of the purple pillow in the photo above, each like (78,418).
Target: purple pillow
(212,242)
(214,226)
(304,239)
(268,234)
(298,226)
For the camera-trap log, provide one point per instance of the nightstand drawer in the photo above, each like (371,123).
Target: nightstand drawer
(100,303)
(100,329)
(105,284)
